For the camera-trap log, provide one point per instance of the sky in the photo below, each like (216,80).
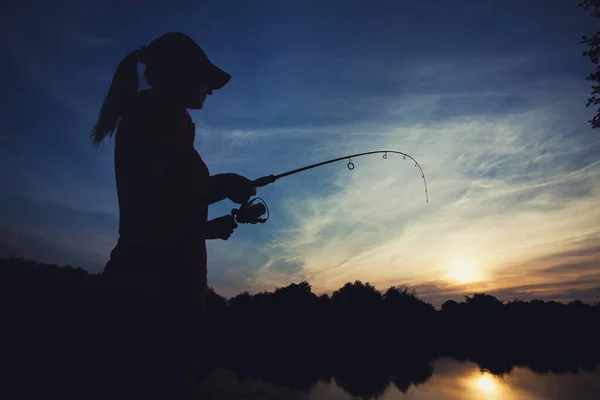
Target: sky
(488,96)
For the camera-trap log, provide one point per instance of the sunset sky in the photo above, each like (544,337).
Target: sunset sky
(488,96)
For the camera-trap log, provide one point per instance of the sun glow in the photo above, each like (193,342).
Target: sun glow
(485,383)
(465,271)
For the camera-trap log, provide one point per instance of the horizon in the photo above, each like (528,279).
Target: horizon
(489,99)
(402,290)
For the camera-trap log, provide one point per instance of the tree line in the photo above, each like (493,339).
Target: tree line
(293,337)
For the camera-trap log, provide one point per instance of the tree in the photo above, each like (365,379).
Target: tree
(215,301)
(483,302)
(593,53)
(403,298)
(451,306)
(295,295)
(242,300)
(357,294)
(395,293)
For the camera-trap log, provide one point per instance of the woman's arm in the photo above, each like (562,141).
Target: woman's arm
(215,192)
(180,186)
(235,187)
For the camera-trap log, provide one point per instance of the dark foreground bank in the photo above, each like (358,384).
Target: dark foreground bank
(67,335)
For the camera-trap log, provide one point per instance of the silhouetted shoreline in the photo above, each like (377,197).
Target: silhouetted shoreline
(55,321)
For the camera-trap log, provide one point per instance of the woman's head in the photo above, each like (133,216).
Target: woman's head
(175,66)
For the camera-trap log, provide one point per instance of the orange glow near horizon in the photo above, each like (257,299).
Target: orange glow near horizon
(465,271)
(486,384)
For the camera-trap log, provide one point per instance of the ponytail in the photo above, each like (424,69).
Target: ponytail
(121,96)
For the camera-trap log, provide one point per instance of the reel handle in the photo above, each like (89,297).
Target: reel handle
(251,213)
(264,181)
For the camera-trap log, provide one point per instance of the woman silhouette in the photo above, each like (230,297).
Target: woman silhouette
(164,190)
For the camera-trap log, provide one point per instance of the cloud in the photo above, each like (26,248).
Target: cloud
(437,294)
(549,277)
(87,236)
(234,265)
(55,180)
(507,184)
(504,188)
(18,243)
(512,177)
(577,267)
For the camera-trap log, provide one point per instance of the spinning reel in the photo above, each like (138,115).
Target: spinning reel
(251,212)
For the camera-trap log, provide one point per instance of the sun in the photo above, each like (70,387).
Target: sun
(485,383)
(465,271)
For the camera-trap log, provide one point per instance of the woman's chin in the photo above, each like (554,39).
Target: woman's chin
(196,106)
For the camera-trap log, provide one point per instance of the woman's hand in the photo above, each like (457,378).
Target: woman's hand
(235,187)
(220,228)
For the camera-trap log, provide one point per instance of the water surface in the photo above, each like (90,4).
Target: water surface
(448,379)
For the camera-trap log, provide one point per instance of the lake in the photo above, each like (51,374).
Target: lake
(447,379)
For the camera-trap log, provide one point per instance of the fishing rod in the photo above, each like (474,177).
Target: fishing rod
(252,212)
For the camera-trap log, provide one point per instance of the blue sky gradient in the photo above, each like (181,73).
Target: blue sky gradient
(488,96)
